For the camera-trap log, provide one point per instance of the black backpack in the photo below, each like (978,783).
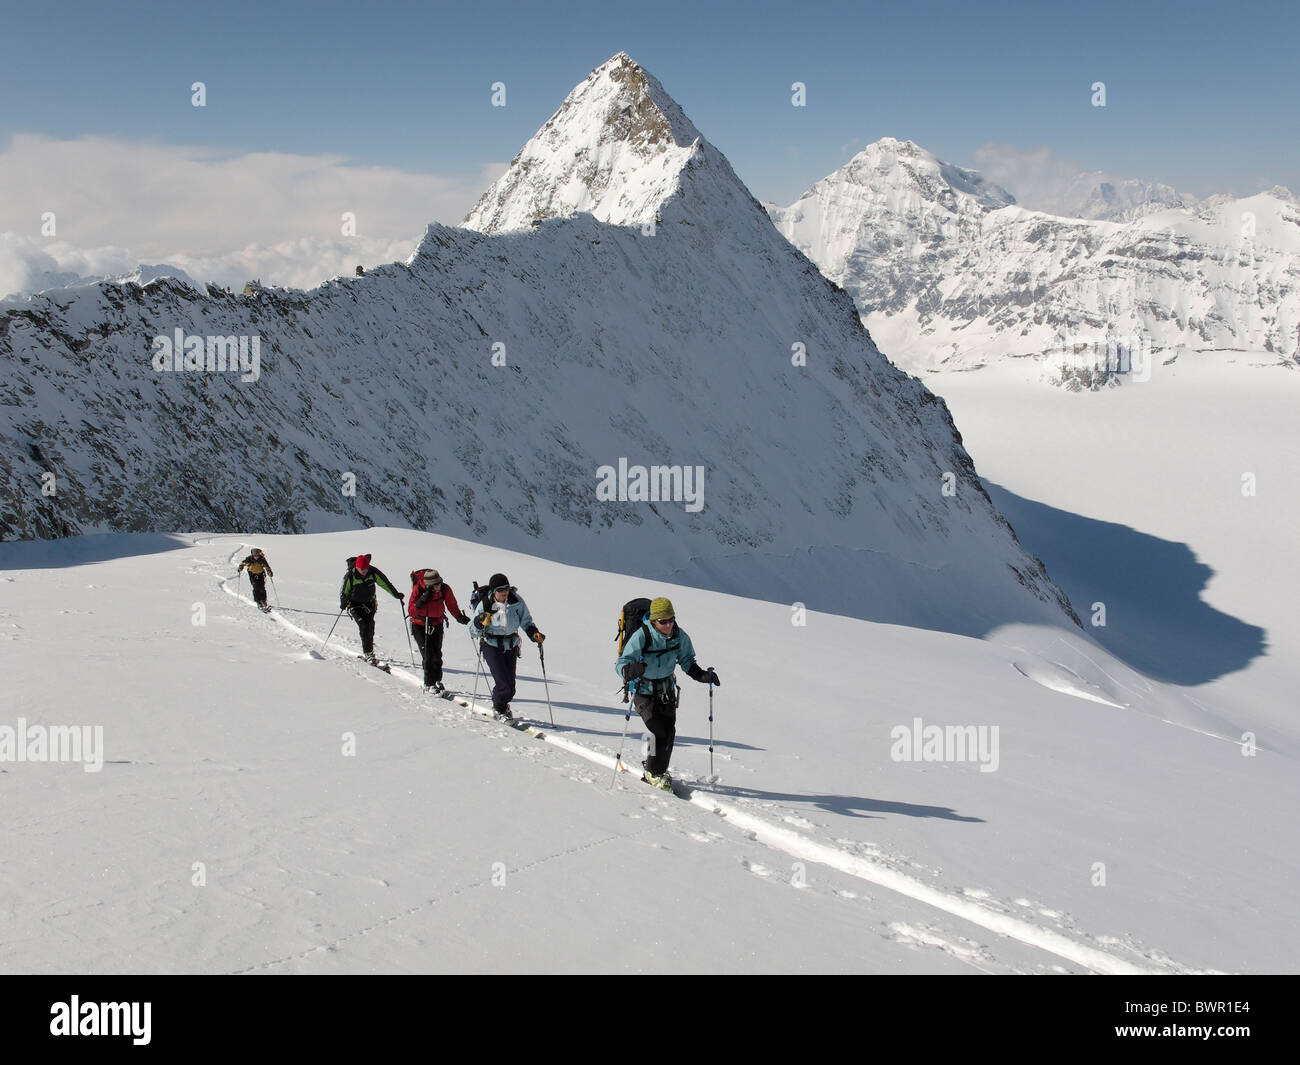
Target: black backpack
(483,594)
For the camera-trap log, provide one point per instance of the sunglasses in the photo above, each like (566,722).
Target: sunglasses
(665,621)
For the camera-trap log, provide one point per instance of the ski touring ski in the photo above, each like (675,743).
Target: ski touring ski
(461,699)
(378,664)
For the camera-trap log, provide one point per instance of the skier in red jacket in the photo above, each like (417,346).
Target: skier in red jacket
(429,607)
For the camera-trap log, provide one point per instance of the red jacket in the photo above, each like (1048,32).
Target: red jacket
(427,604)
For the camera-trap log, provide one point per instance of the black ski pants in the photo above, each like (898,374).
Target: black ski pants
(258,581)
(430,645)
(658,709)
(364,615)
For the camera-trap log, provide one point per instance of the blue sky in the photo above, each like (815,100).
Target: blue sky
(1200,96)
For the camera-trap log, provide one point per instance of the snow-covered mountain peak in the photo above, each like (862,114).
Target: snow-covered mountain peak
(894,165)
(510,369)
(1096,197)
(615,149)
(889,179)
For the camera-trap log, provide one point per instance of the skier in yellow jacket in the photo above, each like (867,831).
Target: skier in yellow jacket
(258,570)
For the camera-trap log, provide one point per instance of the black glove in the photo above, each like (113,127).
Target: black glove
(704,676)
(463,618)
(343,604)
(634,670)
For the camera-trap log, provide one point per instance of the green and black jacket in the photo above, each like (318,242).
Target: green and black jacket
(359,589)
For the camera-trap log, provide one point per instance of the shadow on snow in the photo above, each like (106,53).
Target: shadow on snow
(1156,620)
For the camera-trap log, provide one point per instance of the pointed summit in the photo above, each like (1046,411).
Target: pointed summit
(615,149)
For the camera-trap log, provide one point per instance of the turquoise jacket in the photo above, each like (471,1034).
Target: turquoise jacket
(662,656)
(502,630)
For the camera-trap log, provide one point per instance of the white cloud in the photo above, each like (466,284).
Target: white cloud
(1038,179)
(221,218)
(1042,182)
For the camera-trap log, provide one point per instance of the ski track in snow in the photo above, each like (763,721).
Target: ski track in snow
(972,905)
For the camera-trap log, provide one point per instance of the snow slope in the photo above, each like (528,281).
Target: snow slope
(223,745)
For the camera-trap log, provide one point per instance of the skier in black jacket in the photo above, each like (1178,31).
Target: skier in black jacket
(357,597)
(258,570)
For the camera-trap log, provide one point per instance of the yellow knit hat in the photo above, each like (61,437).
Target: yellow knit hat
(662,608)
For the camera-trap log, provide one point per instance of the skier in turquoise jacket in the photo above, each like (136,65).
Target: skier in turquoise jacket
(648,663)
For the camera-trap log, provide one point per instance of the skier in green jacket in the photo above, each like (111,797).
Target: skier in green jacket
(357,597)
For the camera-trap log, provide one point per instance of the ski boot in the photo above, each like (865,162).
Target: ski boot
(662,781)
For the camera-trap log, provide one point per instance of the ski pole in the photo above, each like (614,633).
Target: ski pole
(277,592)
(336,621)
(618,761)
(542,654)
(711,728)
(409,649)
(478,667)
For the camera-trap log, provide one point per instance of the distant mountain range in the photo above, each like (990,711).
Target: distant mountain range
(949,273)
